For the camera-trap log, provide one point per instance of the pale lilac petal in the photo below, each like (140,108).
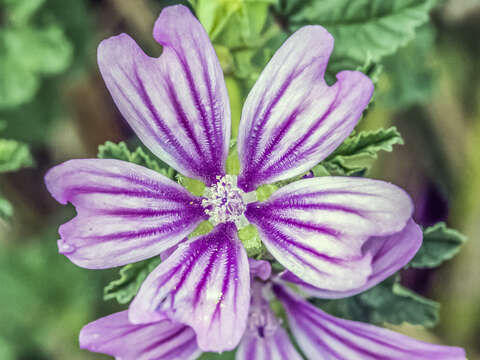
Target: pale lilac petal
(265,338)
(325,337)
(318,228)
(114,335)
(260,268)
(177,104)
(205,284)
(390,254)
(126,213)
(292,119)
(276,346)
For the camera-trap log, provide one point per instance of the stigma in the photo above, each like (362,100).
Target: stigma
(225,202)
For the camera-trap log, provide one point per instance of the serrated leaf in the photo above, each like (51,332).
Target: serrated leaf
(357,153)
(131,278)
(395,304)
(14,155)
(363,29)
(388,302)
(440,243)
(120,151)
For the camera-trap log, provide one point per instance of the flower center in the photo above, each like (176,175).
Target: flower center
(226,202)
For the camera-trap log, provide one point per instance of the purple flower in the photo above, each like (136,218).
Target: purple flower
(336,235)
(319,335)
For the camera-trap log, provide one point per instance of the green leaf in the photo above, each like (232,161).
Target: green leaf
(20,11)
(320,170)
(408,75)
(439,244)
(14,155)
(358,152)
(6,209)
(395,304)
(17,85)
(27,53)
(363,29)
(388,302)
(131,278)
(120,151)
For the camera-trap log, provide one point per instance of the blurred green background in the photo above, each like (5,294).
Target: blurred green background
(53,100)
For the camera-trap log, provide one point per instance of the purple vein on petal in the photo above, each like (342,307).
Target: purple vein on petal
(205,284)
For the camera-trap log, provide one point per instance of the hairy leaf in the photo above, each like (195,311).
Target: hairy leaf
(388,302)
(131,278)
(440,243)
(120,151)
(357,152)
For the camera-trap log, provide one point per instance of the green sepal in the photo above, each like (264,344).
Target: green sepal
(388,302)
(131,278)
(203,228)
(357,153)
(14,155)
(440,244)
(251,241)
(265,191)
(196,187)
(120,151)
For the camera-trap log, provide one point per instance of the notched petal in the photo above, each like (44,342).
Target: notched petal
(292,119)
(390,254)
(319,228)
(126,213)
(177,104)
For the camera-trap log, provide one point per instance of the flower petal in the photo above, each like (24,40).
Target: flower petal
(264,339)
(403,244)
(116,336)
(317,228)
(126,212)
(277,346)
(292,119)
(205,283)
(260,268)
(322,336)
(177,104)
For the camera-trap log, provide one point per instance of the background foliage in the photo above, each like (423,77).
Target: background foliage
(421,54)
